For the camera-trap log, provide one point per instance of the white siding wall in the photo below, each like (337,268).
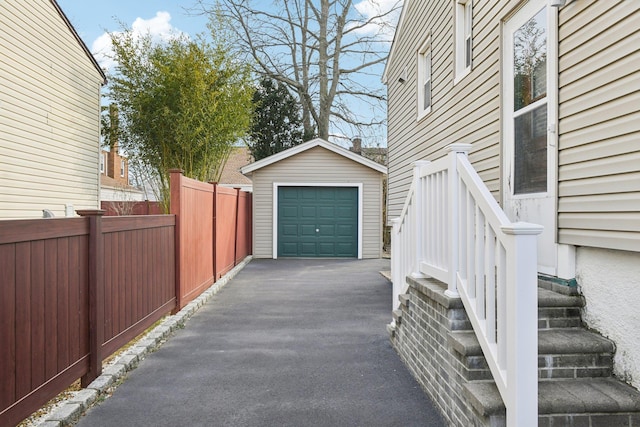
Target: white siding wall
(599,93)
(599,126)
(468,112)
(49,114)
(316,165)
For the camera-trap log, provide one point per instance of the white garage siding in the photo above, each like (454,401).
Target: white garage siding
(322,166)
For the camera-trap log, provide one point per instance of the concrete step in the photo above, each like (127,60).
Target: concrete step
(593,401)
(558,311)
(562,353)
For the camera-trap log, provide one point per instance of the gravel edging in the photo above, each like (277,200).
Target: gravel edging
(68,412)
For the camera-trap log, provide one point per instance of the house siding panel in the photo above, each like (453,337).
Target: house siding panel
(320,166)
(49,113)
(599,127)
(467,112)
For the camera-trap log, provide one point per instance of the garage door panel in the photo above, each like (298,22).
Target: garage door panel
(332,211)
(326,249)
(289,211)
(307,249)
(307,230)
(343,249)
(289,249)
(290,230)
(307,193)
(326,231)
(343,230)
(308,212)
(344,212)
(326,212)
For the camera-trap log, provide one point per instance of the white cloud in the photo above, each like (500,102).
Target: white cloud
(159,27)
(382,23)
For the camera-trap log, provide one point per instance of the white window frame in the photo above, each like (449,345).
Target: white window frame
(103,163)
(463,59)
(122,167)
(425,74)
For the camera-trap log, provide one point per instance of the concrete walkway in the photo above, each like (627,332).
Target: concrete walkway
(285,343)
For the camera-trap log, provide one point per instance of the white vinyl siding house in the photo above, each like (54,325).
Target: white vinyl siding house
(599,128)
(316,163)
(49,112)
(468,111)
(593,137)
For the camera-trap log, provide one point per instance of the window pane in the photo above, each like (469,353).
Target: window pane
(427,95)
(427,82)
(530,61)
(530,165)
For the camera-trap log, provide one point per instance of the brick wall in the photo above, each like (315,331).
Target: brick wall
(422,337)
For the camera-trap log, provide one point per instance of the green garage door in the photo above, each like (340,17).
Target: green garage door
(318,222)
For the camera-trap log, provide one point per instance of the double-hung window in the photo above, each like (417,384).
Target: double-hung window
(424,79)
(463,39)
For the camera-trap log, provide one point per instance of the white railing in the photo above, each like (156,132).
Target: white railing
(452,229)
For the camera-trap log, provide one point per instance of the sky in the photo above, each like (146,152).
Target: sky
(93,19)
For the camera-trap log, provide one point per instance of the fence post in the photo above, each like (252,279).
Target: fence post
(96,294)
(175,188)
(395,262)
(522,323)
(419,217)
(214,231)
(454,214)
(235,240)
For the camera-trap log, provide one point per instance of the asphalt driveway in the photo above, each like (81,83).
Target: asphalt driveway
(285,343)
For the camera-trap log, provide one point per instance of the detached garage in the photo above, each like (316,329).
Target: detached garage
(317,200)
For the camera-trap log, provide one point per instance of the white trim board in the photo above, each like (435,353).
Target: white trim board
(307,146)
(276,185)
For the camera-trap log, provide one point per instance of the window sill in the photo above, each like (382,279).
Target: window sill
(461,75)
(422,114)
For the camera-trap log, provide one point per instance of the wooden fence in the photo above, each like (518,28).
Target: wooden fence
(214,228)
(60,277)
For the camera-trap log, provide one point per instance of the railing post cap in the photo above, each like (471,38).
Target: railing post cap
(91,212)
(394,221)
(522,228)
(176,170)
(459,147)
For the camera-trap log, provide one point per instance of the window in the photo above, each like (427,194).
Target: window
(463,38)
(424,79)
(122,167)
(103,161)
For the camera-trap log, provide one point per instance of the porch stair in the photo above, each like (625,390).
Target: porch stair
(575,370)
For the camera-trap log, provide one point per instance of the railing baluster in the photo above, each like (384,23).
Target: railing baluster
(478,259)
(501,303)
(490,275)
(471,256)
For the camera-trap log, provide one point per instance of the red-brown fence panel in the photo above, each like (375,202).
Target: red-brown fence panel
(139,275)
(192,205)
(226,220)
(44,315)
(243,235)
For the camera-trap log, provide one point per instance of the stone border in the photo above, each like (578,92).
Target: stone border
(71,410)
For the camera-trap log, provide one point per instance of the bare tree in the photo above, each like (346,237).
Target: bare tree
(324,51)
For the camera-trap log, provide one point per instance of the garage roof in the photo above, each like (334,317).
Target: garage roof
(318,142)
